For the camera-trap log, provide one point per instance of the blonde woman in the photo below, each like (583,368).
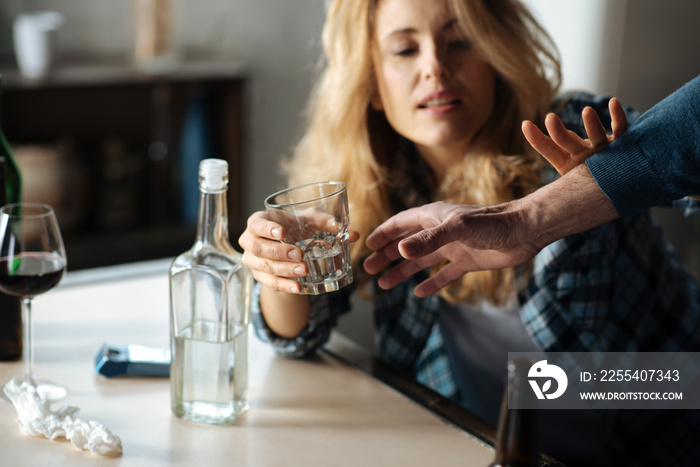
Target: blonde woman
(423,101)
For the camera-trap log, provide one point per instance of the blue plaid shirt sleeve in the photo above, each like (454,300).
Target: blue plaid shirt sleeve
(618,287)
(323,316)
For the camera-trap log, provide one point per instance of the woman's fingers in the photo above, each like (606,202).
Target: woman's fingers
(274,273)
(259,224)
(273,263)
(277,284)
(268,265)
(261,247)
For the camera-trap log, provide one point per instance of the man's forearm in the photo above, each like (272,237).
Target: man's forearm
(572,204)
(658,159)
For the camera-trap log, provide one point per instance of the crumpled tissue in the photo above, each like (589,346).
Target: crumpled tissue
(36,418)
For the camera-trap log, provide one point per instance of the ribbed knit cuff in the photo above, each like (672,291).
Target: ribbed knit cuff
(627,179)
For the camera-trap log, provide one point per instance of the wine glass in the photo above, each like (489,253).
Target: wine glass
(32,261)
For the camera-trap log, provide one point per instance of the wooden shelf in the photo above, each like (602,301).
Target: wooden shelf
(90,250)
(92,105)
(99,72)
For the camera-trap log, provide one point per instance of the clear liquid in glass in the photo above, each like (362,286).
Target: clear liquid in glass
(328,259)
(210,373)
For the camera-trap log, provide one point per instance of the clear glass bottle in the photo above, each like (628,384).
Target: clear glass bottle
(10,307)
(210,291)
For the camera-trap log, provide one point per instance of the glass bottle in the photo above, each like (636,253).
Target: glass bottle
(515,436)
(210,291)
(10,307)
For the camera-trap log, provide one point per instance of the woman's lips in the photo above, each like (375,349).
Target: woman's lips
(439,103)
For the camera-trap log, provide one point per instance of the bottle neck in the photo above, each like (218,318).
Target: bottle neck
(212,223)
(11,181)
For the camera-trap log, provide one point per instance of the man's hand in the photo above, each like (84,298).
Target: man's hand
(564,149)
(474,238)
(471,238)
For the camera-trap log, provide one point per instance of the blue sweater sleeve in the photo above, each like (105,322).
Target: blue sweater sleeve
(658,159)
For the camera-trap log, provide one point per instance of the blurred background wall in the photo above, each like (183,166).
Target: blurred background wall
(638,51)
(277,39)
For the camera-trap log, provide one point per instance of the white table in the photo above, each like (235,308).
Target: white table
(315,412)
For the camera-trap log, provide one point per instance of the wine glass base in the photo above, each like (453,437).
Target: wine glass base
(46,390)
(51,391)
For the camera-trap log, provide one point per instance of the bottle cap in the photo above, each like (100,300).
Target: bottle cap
(213,175)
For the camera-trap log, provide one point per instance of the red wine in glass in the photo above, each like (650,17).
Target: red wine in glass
(30,274)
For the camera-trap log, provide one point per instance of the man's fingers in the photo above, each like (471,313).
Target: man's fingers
(566,139)
(594,128)
(442,278)
(619,118)
(430,240)
(386,233)
(406,269)
(382,258)
(545,146)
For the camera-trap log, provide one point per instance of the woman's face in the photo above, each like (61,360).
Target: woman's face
(433,87)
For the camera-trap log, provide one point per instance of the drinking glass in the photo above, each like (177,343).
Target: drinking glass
(315,218)
(32,261)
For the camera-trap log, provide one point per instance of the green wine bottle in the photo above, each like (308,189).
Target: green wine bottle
(10,306)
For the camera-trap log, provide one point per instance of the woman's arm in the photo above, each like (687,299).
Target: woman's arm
(275,265)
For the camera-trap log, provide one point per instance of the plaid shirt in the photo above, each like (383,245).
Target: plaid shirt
(617,287)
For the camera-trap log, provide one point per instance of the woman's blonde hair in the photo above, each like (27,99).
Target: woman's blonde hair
(345,139)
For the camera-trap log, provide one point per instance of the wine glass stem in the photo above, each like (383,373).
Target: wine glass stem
(28,340)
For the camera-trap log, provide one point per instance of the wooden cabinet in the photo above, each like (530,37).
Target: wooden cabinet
(115,152)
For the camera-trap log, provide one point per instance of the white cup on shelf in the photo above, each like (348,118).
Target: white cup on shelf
(34,42)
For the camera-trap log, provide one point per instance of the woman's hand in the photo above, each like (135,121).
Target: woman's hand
(274,264)
(564,149)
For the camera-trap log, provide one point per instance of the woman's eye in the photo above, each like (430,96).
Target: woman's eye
(403,52)
(460,44)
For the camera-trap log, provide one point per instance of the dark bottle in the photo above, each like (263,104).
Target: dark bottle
(515,436)
(10,307)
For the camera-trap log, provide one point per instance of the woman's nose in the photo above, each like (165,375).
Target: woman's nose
(434,66)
